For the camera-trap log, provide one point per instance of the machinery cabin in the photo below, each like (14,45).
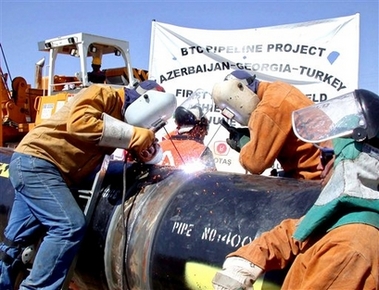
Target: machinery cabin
(22,107)
(86,47)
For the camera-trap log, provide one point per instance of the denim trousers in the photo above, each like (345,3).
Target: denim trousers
(42,200)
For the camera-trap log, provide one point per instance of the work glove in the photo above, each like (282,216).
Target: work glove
(238,137)
(237,274)
(141,143)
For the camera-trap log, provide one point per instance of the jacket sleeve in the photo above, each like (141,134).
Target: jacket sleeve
(266,141)
(84,121)
(274,249)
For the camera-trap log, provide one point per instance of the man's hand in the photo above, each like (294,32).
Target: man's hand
(236,274)
(151,154)
(238,137)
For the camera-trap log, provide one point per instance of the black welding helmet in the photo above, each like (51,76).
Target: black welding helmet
(353,115)
(192,110)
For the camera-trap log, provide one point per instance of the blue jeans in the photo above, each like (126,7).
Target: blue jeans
(42,199)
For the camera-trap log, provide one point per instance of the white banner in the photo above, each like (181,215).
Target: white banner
(321,58)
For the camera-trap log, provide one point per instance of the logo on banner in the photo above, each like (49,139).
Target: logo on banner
(221,148)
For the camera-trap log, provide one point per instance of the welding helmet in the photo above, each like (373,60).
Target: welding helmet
(150,108)
(132,94)
(352,115)
(247,79)
(192,111)
(236,96)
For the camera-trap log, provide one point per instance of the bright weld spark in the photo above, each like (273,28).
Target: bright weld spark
(192,167)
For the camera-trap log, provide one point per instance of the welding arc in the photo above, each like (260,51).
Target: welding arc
(173,144)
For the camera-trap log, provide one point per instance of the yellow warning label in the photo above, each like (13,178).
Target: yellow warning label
(4,170)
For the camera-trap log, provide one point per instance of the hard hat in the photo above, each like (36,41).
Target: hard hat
(132,94)
(192,110)
(150,108)
(96,60)
(351,115)
(237,98)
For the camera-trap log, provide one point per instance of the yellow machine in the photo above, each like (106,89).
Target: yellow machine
(22,107)
(17,111)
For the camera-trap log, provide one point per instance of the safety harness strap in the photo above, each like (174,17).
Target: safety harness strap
(12,244)
(6,258)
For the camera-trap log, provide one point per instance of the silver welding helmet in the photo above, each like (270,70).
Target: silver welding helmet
(150,107)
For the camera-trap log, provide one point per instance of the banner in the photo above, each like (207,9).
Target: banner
(321,58)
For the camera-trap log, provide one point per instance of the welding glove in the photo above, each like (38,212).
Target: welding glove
(237,274)
(238,137)
(118,134)
(141,143)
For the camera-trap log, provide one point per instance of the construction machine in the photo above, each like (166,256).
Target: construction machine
(17,111)
(24,106)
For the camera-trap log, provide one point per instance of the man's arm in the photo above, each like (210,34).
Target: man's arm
(274,249)
(266,141)
(85,119)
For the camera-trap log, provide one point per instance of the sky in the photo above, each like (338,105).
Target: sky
(24,23)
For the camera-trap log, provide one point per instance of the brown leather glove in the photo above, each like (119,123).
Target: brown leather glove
(142,140)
